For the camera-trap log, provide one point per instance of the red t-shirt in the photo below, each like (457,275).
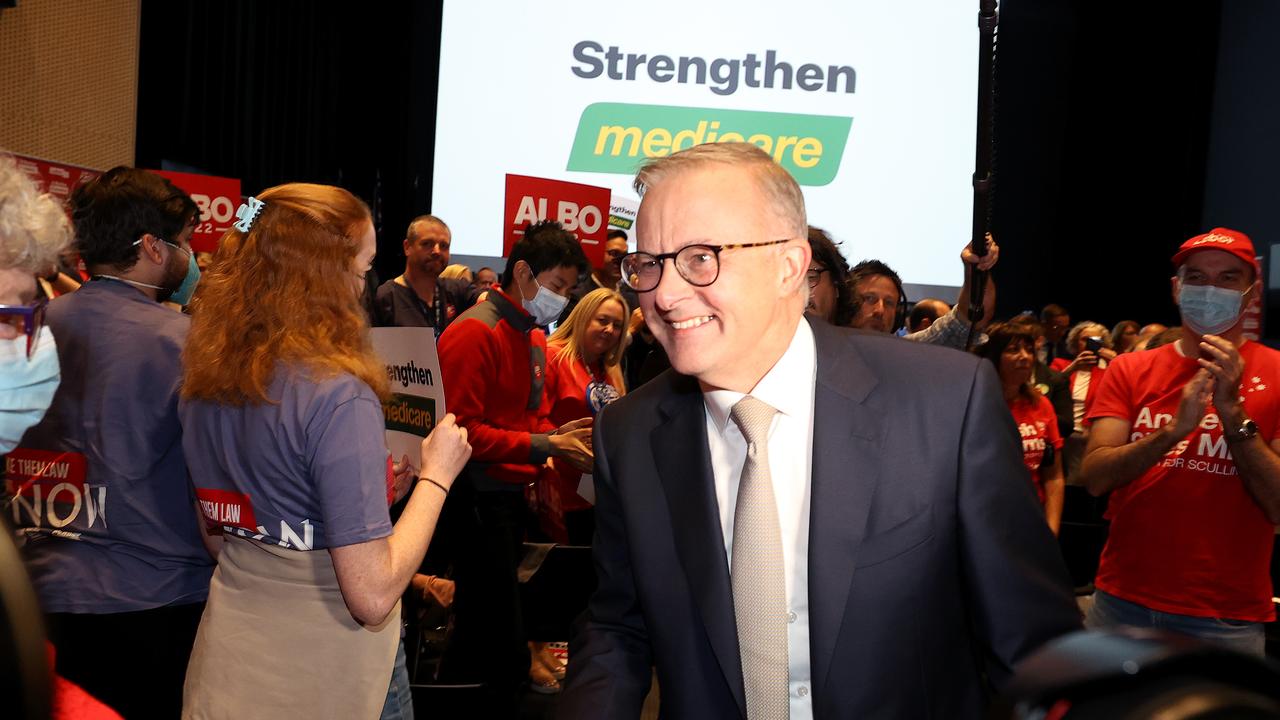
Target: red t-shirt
(1038,426)
(1187,537)
(567,382)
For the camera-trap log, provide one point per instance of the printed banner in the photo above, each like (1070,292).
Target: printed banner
(216,199)
(417,400)
(582,209)
(622,216)
(226,508)
(25,469)
(48,494)
(57,179)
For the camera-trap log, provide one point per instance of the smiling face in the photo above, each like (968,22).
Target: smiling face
(1016,362)
(604,330)
(731,332)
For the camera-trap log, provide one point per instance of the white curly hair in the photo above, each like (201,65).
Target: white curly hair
(34,228)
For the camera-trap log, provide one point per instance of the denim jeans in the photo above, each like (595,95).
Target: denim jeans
(399,705)
(1239,635)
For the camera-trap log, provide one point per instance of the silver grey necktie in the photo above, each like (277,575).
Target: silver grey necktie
(757,573)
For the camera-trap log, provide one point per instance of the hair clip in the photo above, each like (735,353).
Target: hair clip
(247,213)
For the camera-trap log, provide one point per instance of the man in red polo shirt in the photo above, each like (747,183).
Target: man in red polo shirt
(1186,438)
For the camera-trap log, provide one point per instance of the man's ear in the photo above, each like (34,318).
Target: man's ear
(150,249)
(522,271)
(794,267)
(1173,288)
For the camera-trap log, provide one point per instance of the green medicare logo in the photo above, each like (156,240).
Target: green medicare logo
(410,414)
(617,137)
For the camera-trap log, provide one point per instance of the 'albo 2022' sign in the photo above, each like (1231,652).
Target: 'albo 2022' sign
(582,209)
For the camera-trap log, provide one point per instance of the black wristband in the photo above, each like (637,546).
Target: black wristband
(443,489)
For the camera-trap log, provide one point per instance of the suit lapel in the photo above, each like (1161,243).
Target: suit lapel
(848,432)
(695,521)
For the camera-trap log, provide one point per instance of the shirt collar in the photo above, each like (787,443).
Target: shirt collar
(787,387)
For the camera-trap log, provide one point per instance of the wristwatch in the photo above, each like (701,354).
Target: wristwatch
(1246,430)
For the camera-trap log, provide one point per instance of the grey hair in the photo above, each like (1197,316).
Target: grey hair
(774,181)
(34,228)
(1073,335)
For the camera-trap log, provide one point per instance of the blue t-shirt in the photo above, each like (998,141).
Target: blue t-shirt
(306,471)
(98,490)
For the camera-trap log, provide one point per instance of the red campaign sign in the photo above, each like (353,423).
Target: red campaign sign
(216,199)
(25,468)
(226,507)
(582,209)
(57,179)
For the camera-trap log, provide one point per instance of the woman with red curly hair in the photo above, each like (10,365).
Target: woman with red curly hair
(283,430)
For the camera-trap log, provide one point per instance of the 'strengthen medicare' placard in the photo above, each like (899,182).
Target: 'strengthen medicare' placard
(870,106)
(417,399)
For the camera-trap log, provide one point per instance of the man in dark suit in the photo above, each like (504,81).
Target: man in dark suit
(798,520)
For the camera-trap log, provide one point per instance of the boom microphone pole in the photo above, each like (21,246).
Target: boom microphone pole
(988,23)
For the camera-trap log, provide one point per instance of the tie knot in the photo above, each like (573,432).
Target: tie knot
(753,418)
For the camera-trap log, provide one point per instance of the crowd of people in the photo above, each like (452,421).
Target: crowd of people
(794,502)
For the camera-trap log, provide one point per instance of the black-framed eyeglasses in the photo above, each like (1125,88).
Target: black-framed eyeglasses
(699,265)
(814,276)
(29,318)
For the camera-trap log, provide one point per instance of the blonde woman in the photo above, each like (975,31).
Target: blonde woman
(458,271)
(584,374)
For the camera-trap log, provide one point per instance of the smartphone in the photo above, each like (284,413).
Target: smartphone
(1093,343)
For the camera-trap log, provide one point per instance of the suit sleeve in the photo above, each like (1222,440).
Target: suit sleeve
(610,661)
(1019,591)
(469,364)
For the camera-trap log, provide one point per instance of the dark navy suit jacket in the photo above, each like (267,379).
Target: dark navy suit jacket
(931,568)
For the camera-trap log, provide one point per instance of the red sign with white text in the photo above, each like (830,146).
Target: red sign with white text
(582,209)
(25,468)
(216,200)
(57,179)
(226,508)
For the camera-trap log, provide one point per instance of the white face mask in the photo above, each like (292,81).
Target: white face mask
(546,306)
(1209,310)
(26,385)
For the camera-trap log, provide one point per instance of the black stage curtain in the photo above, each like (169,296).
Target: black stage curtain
(274,92)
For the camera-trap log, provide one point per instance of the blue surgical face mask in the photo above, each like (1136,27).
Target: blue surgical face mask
(1209,310)
(546,306)
(26,385)
(183,294)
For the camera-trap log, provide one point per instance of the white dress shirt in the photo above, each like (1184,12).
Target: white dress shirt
(789,388)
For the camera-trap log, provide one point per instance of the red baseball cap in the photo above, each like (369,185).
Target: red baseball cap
(1223,239)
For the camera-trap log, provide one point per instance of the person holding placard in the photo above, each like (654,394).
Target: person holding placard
(284,431)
